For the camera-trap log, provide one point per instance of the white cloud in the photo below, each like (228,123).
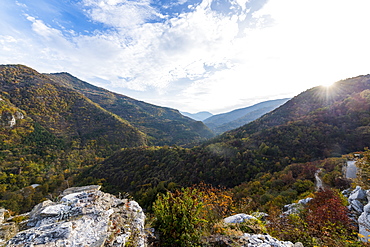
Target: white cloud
(198,60)
(120,13)
(158,54)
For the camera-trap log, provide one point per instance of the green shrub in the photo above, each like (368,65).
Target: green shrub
(177,218)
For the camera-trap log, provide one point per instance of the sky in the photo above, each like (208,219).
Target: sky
(191,55)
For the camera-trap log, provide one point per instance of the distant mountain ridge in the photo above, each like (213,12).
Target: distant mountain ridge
(231,120)
(199,116)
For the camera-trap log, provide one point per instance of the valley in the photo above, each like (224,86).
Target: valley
(59,131)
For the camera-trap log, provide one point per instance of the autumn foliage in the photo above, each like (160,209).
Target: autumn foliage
(323,222)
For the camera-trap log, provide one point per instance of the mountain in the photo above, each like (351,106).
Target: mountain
(231,120)
(64,113)
(318,123)
(164,126)
(199,116)
(50,131)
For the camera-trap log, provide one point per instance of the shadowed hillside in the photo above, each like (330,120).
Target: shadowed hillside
(164,125)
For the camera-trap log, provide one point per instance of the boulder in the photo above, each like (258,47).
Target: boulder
(249,240)
(263,240)
(85,216)
(357,194)
(238,218)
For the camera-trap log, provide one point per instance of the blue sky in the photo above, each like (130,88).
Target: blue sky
(196,55)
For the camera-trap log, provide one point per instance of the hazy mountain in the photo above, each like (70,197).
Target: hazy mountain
(164,126)
(230,120)
(200,116)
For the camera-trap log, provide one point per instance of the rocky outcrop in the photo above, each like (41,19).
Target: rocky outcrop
(295,208)
(249,240)
(256,235)
(8,119)
(85,216)
(364,224)
(358,212)
(7,229)
(364,218)
(239,218)
(356,200)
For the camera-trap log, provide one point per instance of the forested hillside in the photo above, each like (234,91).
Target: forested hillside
(65,113)
(164,126)
(48,133)
(319,123)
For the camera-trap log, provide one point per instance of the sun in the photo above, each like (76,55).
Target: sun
(327,84)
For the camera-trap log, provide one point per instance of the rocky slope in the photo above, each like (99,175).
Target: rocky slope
(88,217)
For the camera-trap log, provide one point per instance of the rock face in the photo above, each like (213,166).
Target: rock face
(85,216)
(9,120)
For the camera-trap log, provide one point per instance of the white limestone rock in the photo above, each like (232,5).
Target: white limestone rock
(85,216)
(356,206)
(238,218)
(250,240)
(364,224)
(264,240)
(294,208)
(357,194)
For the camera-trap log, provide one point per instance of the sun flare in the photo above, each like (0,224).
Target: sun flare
(327,84)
